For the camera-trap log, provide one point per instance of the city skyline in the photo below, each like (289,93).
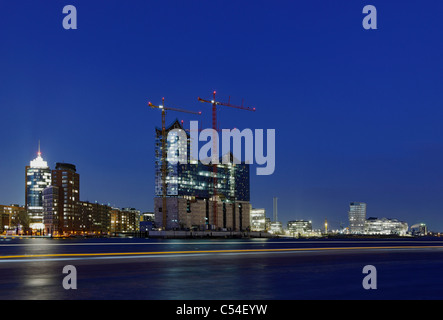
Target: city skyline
(356,112)
(41,163)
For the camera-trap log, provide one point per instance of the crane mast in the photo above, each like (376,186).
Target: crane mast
(163,108)
(214,104)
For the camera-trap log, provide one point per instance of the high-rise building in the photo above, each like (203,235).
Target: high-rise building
(38,177)
(189,186)
(51,218)
(67,181)
(357,217)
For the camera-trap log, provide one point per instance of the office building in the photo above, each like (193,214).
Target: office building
(51,218)
(357,217)
(95,219)
(258,220)
(190,198)
(10,218)
(384,226)
(276,227)
(419,229)
(299,227)
(147,216)
(268,223)
(62,214)
(147,221)
(38,177)
(125,220)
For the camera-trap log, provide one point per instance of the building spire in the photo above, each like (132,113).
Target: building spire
(38,162)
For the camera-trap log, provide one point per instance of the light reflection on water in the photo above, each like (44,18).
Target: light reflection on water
(226,276)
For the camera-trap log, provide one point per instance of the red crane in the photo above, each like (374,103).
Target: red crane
(163,109)
(215,144)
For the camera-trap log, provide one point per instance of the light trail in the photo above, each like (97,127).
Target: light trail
(199,252)
(209,243)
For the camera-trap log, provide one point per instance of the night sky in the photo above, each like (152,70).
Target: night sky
(357,113)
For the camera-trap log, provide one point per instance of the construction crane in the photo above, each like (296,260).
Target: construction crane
(214,104)
(163,158)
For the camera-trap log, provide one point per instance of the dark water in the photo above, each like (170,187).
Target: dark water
(406,273)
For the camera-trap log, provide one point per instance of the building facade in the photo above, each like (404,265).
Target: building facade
(299,227)
(384,226)
(276,227)
(125,220)
(64,214)
(419,229)
(10,217)
(357,217)
(51,217)
(258,220)
(67,180)
(95,219)
(38,177)
(191,202)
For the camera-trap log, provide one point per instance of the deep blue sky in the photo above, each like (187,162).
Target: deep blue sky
(357,113)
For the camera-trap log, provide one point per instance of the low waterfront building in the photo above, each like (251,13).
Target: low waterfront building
(299,227)
(419,229)
(384,226)
(276,227)
(147,221)
(125,220)
(11,216)
(95,219)
(268,224)
(258,220)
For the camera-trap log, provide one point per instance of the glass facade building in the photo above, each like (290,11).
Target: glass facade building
(196,179)
(191,202)
(357,217)
(258,220)
(300,227)
(38,177)
(384,226)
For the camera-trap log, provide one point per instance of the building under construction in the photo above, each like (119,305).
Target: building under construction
(190,200)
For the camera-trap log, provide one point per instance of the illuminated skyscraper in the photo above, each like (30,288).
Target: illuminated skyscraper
(38,177)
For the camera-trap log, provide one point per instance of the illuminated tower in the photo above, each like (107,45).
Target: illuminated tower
(38,177)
